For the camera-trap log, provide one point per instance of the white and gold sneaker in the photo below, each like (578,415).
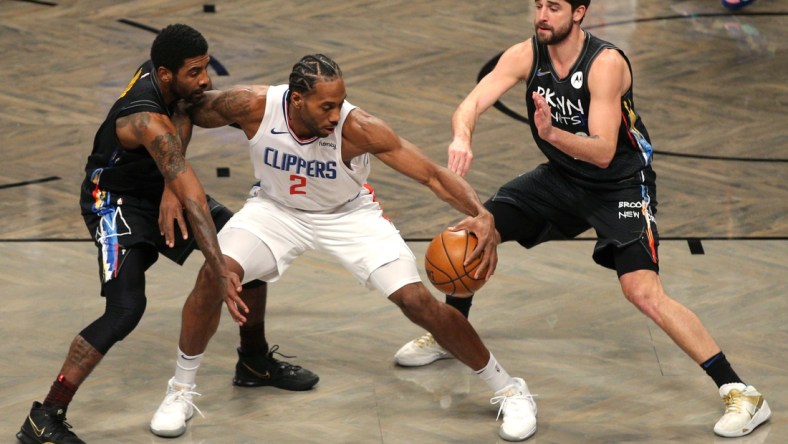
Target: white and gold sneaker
(421,351)
(745,409)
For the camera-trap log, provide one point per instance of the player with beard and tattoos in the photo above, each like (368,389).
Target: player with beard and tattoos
(598,175)
(128,209)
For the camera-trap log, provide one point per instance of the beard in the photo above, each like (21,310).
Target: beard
(195,96)
(557,35)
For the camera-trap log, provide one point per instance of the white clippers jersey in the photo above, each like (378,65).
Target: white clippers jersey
(303,174)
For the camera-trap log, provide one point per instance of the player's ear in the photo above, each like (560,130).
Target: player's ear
(579,13)
(297,99)
(164,74)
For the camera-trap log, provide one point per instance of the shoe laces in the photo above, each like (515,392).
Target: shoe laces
(281,364)
(62,428)
(733,402)
(517,401)
(425,341)
(182,395)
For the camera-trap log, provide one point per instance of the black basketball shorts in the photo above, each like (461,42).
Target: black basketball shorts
(135,225)
(544,205)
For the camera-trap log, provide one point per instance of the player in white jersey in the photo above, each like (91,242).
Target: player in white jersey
(306,174)
(310,149)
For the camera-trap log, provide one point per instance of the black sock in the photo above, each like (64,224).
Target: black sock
(463,305)
(253,339)
(720,370)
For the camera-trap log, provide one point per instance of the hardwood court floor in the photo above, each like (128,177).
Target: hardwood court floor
(710,86)
(603,373)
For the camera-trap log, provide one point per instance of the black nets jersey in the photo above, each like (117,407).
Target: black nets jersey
(113,173)
(569,100)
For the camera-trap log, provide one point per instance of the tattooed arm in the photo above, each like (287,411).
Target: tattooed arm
(170,208)
(158,134)
(242,105)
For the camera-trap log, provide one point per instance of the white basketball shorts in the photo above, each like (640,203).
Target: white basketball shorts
(357,234)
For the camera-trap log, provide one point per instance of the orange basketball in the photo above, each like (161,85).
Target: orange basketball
(444,263)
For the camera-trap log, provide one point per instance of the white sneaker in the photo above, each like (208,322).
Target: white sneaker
(177,408)
(420,351)
(745,409)
(519,411)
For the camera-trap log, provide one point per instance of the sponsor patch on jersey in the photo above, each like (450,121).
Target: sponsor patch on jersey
(577,80)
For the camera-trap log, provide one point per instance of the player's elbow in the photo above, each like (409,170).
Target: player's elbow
(605,157)
(603,163)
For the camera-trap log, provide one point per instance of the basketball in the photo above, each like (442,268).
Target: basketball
(444,260)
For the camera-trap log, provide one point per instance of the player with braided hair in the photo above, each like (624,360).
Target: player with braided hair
(310,69)
(311,153)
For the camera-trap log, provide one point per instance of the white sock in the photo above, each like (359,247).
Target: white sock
(186,368)
(494,375)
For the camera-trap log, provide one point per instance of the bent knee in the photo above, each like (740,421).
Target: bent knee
(118,320)
(647,298)
(206,291)
(414,300)
(126,322)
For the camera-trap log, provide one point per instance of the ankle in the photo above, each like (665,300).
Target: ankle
(61,393)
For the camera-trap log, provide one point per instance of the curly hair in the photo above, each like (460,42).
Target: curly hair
(176,43)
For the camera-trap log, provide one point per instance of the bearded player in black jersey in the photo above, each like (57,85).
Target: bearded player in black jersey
(598,175)
(137,184)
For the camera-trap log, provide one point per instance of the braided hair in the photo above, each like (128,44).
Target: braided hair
(310,69)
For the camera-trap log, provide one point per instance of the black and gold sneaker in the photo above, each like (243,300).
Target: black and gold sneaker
(47,425)
(255,370)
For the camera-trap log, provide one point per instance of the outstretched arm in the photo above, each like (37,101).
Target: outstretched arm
(364,133)
(242,105)
(513,66)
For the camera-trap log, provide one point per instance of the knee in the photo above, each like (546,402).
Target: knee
(206,294)
(415,301)
(646,297)
(206,275)
(124,319)
(118,320)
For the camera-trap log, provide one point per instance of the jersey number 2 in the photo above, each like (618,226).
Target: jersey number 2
(299,182)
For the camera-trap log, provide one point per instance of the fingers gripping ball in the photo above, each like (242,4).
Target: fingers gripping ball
(444,260)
